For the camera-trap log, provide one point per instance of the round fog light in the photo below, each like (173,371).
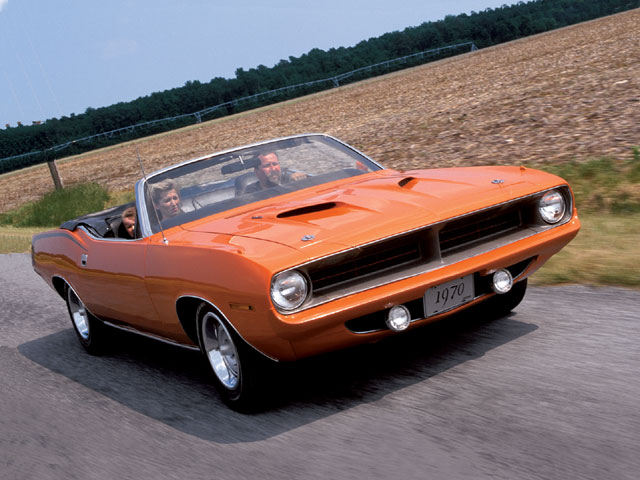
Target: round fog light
(502,281)
(398,318)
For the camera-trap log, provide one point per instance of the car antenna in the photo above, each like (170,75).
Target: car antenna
(155,210)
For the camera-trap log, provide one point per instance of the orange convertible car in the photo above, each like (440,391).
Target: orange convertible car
(288,248)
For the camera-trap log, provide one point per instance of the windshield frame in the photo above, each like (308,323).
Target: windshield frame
(145,222)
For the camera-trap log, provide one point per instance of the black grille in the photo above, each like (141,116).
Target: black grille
(477,227)
(391,257)
(366,261)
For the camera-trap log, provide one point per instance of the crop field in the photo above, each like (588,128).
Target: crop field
(569,94)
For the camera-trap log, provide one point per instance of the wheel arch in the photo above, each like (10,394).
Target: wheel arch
(186,309)
(59,284)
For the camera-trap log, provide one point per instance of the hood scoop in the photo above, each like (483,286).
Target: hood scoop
(405,181)
(297,212)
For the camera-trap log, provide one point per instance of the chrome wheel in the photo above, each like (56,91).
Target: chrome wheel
(238,370)
(221,351)
(79,314)
(90,331)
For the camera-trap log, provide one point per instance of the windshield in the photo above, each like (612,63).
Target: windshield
(202,187)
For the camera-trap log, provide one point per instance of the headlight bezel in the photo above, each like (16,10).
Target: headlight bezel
(295,280)
(552,218)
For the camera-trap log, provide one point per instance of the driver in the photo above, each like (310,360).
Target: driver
(270,174)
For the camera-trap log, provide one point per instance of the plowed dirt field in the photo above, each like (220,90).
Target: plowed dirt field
(572,93)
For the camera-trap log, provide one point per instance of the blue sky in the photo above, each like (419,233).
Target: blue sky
(59,57)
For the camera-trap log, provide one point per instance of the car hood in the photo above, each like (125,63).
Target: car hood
(372,206)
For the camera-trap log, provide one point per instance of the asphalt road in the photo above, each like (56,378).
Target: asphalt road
(550,392)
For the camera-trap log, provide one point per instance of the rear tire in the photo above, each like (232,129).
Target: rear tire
(89,330)
(235,365)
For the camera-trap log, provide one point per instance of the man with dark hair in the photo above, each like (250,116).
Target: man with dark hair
(270,174)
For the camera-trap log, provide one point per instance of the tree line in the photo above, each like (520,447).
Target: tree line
(486,28)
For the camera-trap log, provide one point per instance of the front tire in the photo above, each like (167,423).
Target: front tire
(89,330)
(236,366)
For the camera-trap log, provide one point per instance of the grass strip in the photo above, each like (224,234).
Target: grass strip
(58,206)
(605,252)
(17,240)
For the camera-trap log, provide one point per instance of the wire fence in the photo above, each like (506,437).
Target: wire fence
(16,162)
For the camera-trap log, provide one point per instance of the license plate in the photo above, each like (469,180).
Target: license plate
(448,295)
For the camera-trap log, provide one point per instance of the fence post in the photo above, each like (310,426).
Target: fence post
(53,168)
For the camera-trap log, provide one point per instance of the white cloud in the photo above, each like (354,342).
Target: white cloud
(3,3)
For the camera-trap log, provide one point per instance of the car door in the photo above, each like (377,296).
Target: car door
(110,281)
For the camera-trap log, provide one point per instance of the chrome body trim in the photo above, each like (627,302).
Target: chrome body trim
(143,219)
(168,341)
(106,239)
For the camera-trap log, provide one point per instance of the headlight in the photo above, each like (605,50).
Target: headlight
(289,290)
(552,206)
